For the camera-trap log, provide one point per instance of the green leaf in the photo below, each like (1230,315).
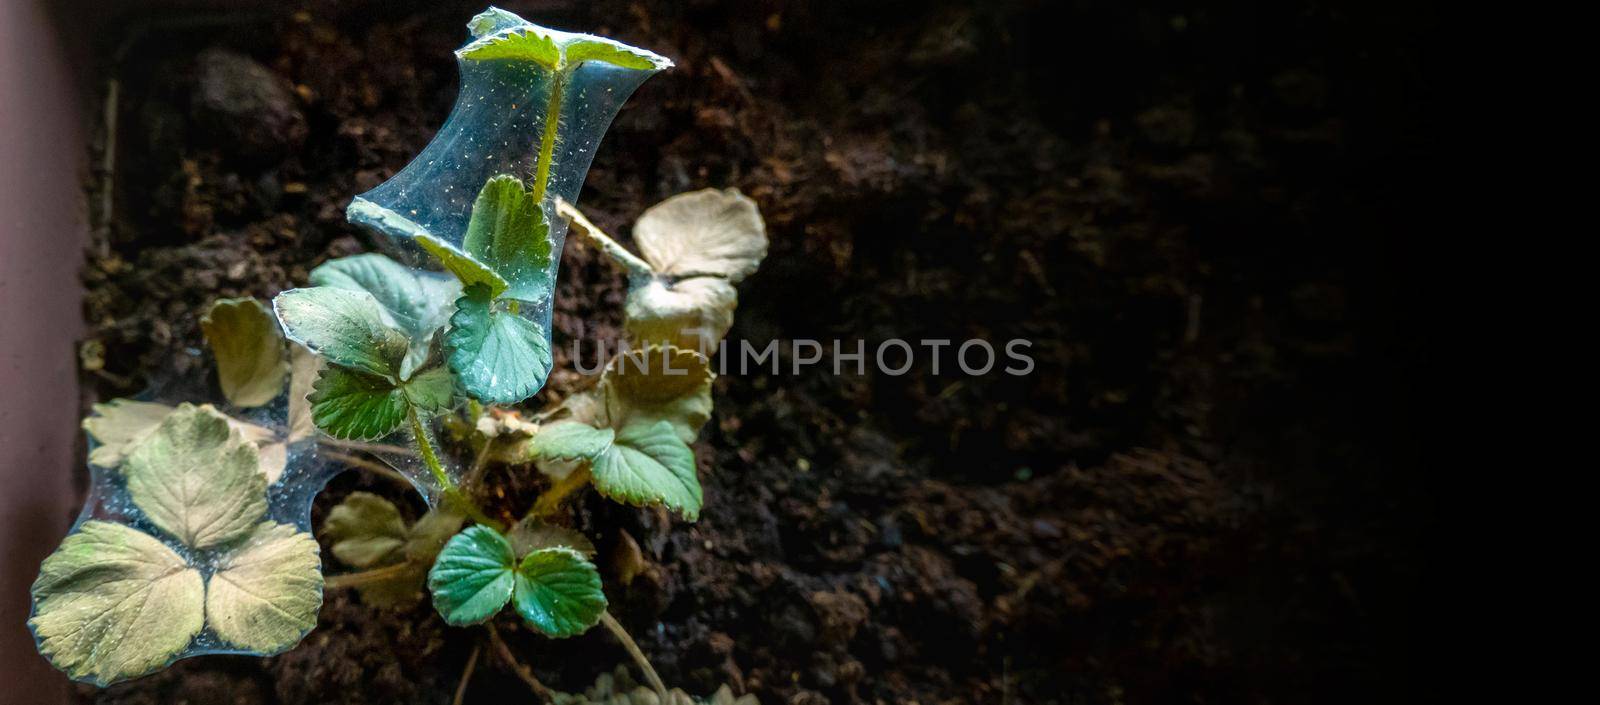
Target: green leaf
(703,233)
(347,327)
(198,479)
(692,313)
(365,531)
(558,592)
(650,464)
(414,301)
(570,440)
(472,579)
(509,233)
(467,269)
(499,357)
(431,390)
(114,603)
(358,406)
(505,36)
(351,404)
(493,19)
(614,53)
(248,345)
(659,383)
(265,593)
(524,43)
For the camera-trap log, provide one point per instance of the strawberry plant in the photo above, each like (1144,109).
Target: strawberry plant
(196,537)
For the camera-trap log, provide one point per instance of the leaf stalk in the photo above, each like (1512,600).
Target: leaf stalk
(447,486)
(547,141)
(638,656)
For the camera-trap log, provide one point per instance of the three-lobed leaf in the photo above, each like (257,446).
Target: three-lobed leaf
(506,37)
(555,588)
(198,479)
(498,356)
(248,345)
(114,603)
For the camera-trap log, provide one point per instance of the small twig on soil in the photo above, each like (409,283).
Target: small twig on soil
(368,447)
(638,656)
(466,674)
(377,468)
(523,672)
(618,253)
(366,577)
(475,475)
(108,171)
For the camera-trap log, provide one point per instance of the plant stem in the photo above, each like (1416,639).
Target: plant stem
(617,252)
(366,577)
(551,499)
(368,465)
(446,486)
(547,142)
(368,447)
(638,656)
(522,671)
(466,674)
(480,464)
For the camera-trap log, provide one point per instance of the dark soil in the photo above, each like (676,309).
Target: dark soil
(1206,491)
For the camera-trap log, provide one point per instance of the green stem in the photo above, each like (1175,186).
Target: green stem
(447,486)
(547,142)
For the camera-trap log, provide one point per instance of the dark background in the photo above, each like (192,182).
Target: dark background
(1207,491)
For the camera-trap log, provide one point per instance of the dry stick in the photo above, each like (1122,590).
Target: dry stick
(618,253)
(368,465)
(108,171)
(479,464)
(638,656)
(466,674)
(366,577)
(523,672)
(368,447)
